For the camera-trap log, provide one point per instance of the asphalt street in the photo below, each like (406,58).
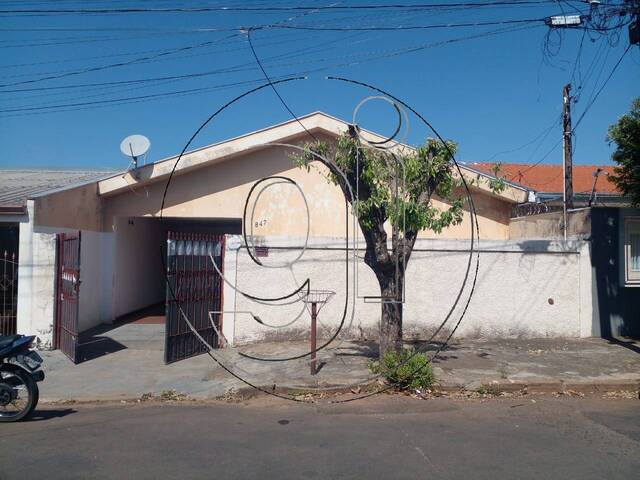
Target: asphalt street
(383,437)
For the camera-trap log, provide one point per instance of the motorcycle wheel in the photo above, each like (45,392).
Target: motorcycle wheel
(18,395)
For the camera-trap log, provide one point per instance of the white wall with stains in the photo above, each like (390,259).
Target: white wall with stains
(36,280)
(530,288)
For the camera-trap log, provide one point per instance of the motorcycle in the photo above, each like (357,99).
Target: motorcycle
(19,374)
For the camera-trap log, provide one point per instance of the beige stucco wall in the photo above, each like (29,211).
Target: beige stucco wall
(550,225)
(78,208)
(220,192)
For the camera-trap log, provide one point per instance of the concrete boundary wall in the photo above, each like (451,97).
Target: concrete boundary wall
(37,279)
(526,288)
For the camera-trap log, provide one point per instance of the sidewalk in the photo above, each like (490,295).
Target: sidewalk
(136,368)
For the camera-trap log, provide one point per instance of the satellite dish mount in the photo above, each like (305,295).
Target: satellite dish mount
(135,146)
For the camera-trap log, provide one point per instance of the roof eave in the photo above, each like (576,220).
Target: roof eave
(13,209)
(280,133)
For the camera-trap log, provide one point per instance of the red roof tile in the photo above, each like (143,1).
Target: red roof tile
(549,178)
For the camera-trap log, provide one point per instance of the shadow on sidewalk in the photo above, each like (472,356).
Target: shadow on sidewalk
(104,339)
(96,346)
(625,342)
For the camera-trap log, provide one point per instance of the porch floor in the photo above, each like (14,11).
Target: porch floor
(153,315)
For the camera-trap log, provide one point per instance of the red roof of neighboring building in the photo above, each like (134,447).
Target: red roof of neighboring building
(549,178)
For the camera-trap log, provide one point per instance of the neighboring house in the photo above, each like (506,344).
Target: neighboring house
(601,216)
(592,184)
(121,254)
(28,252)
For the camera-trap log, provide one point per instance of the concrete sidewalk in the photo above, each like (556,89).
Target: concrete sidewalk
(135,367)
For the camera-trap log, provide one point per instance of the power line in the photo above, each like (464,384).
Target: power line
(276,8)
(595,97)
(542,135)
(278,26)
(585,111)
(273,87)
(285,38)
(405,27)
(231,69)
(119,64)
(372,57)
(247,66)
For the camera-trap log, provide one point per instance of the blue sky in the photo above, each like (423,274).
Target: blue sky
(498,92)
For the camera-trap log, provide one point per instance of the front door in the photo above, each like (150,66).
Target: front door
(194,289)
(68,295)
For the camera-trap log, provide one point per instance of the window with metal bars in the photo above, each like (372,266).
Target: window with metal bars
(632,251)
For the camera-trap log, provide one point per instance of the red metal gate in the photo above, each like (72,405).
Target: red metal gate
(8,293)
(68,294)
(194,289)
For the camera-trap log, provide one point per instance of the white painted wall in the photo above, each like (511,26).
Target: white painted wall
(36,280)
(138,278)
(232,245)
(92,289)
(107,260)
(516,281)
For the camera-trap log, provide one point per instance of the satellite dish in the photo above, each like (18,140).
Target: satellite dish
(134,146)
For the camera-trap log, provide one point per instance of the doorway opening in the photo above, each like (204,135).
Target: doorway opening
(149,302)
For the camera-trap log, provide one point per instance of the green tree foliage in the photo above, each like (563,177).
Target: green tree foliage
(626,136)
(395,190)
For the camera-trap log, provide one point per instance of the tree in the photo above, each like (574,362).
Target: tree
(626,135)
(394,189)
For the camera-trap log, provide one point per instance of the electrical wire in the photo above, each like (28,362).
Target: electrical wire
(135,99)
(585,111)
(119,64)
(334,7)
(604,84)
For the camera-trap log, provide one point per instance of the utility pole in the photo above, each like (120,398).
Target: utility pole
(634,26)
(567,166)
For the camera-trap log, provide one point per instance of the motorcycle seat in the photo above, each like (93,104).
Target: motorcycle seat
(7,340)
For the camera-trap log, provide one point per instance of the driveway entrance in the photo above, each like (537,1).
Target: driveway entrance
(163,272)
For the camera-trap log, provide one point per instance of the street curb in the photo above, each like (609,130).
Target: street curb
(492,387)
(553,386)
(250,392)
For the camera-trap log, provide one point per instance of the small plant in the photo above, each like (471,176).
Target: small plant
(406,369)
(491,389)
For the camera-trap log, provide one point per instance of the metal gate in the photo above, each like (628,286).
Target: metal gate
(194,289)
(68,293)
(8,293)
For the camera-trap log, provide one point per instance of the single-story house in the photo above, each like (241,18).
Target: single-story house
(602,216)
(592,184)
(27,251)
(119,252)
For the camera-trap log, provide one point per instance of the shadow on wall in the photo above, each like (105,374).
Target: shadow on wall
(617,306)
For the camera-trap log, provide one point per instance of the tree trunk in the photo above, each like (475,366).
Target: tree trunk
(391,315)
